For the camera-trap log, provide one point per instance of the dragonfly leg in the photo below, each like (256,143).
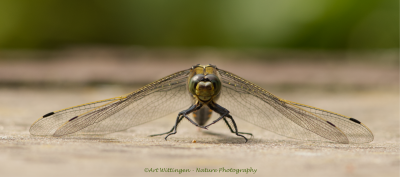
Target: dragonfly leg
(232,131)
(181,117)
(183,114)
(218,109)
(224,113)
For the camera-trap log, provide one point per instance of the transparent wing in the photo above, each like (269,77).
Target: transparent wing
(150,102)
(253,104)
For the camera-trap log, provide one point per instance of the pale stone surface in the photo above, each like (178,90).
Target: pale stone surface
(130,152)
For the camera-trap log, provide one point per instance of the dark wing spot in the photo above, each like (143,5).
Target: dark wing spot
(355,120)
(330,123)
(48,114)
(73,118)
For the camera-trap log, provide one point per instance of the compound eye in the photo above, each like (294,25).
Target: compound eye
(214,80)
(194,81)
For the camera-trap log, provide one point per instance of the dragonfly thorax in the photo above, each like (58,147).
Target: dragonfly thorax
(205,87)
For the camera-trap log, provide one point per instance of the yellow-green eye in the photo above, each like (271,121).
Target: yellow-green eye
(193,83)
(215,81)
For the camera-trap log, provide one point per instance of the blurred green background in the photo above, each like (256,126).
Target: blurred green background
(237,24)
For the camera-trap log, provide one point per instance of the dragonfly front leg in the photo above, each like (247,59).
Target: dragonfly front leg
(224,113)
(172,129)
(181,115)
(232,131)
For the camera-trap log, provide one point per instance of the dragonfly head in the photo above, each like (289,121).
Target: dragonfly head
(205,87)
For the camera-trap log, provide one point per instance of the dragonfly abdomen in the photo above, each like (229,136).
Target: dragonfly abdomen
(202,115)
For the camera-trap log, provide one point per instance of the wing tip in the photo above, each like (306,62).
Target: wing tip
(330,123)
(72,119)
(355,120)
(48,114)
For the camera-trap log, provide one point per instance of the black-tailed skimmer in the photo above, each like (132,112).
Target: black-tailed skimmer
(201,90)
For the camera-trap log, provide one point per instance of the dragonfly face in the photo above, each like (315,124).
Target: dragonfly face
(206,85)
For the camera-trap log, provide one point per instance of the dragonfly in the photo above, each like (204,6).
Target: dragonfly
(200,91)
